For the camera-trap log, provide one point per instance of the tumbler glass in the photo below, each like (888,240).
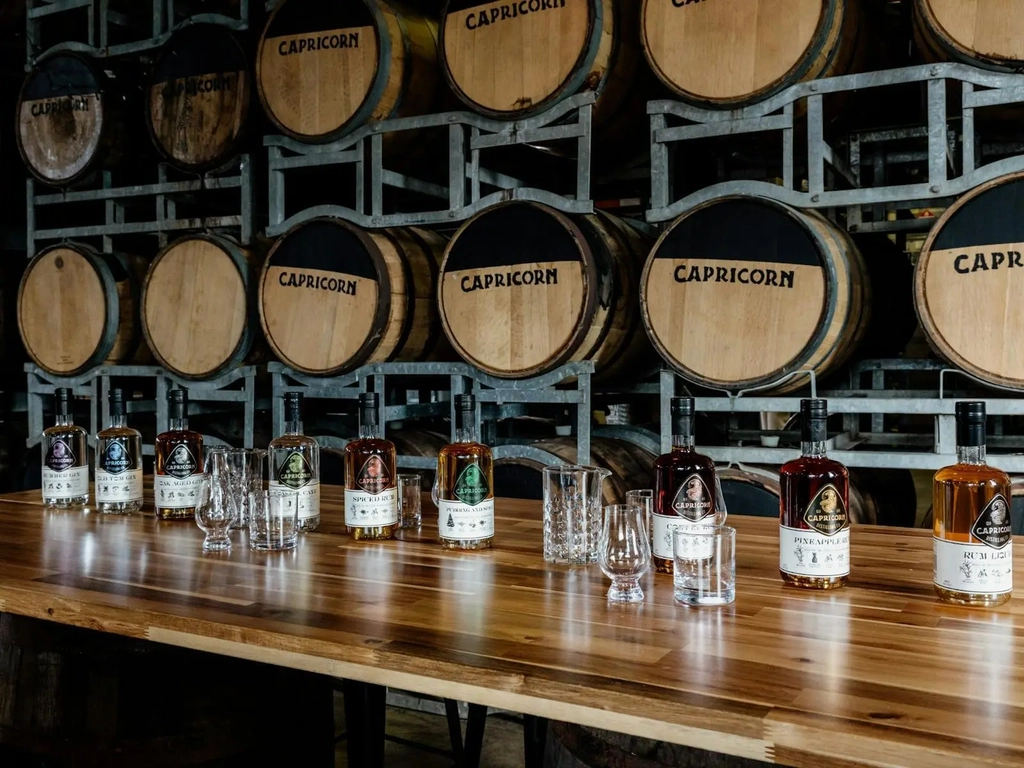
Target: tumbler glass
(410,501)
(572,513)
(273,520)
(215,510)
(704,571)
(625,552)
(644,499)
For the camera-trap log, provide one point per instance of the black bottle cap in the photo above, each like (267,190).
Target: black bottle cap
(683,411)
(116,399)
(970,423)
(813,420)
(368,408)
(292,406)
(178,400)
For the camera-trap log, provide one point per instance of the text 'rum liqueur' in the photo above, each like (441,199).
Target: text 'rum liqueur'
(684,486)
(118,463)
(65,457)
(814,523)
(972,535)
(179,463)
(371,495)
(465,484)
(295,464)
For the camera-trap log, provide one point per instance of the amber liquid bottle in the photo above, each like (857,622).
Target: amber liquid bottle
(118,462)
(179,463)
(295,465)
(972,535)
(371,495)
(465,484)
(814,525)
(684,486)
(65,457)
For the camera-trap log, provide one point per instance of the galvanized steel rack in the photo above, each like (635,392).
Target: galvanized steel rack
(850,184)
(466,193)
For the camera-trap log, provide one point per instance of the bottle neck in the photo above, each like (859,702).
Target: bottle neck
(63,419)
(293,426)
(683,443)
(118,420)
(465,429)
(178,423)
(970,454)
(368,427)
(813,449)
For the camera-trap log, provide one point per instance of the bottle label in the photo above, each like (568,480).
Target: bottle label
(974,568)
(176,492)
(66,484)
(471,487)
(814,554)
(116,458)
(465,522)
(371,510)
(123,486)
(307,497)
(993,528)
(295,472)
(374,477)
(60,456)
(693,500)
(826,513)
(664,530)
(181,463)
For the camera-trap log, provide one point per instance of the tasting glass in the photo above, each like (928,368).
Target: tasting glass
(215,511)
(644,499)
(410,501)
(273,520)
(704,571)
(572,513)
(624,552)
(245,478)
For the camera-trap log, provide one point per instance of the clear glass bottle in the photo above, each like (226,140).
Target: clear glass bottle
(973,532)
(684,486)
(814,524)
(371,493)
(65,457)
(118,463)
(465,484)
(179,463)
(295,464)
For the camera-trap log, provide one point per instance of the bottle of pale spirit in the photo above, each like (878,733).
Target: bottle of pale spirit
(465,484)
(65,457)
(371,495)
(118,463)
(179,463)
(295,464)
(972,530)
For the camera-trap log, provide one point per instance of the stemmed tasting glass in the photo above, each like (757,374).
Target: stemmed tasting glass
(624,552)
(215,511)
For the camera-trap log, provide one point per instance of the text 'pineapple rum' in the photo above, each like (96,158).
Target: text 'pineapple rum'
(465,484)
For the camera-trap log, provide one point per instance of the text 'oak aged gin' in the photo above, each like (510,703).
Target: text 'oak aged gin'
(295,464)
(179,463)
(972,534)
(465,484)
(371,495)
(65,457)
(814,523)
(118,462)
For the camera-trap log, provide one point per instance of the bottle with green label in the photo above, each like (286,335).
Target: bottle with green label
(465,484)
(295,464)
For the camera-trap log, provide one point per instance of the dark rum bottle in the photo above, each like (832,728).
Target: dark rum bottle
(684,486)
(465,484)
(65,457)
(814,526)
(973,534)
(179,463)
(371,494)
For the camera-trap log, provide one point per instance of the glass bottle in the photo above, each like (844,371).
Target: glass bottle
(118,463)
(684,486)
(371,495)
(465,484)
(65,457)
(295,464)
(972,534)
(814,524)
(179,463)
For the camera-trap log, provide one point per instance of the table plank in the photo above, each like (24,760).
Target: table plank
(879,673)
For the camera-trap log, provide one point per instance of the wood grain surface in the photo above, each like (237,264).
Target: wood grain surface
(991,31)
(876,674)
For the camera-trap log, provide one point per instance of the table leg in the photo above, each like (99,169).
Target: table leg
(535,731)
(475,723)
(365,709)
(451,711)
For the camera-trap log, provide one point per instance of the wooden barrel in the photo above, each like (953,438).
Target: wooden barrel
(333,296)
(525,289)
(632,467)
(984,33)
(78,308)
(968,274)
(732,53)
(740,291)
(70,119)
(327,67)
(198,313)
(198,97)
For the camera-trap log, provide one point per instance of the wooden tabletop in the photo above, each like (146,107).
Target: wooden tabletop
(876,674)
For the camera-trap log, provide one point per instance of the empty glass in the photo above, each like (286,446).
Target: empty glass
(644,499)
(273,520)
(625,552)
(245,478)
(215,511)
(704,571)
(572,513)
(410,501)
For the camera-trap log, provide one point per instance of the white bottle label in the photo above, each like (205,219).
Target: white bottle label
(371,510)
(457,521)
(68,483)
(662,544)
(813,554)
(974,568)
(124,486)
(176,492)
(307,497)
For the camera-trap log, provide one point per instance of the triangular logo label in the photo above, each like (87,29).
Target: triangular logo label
(115,459)
(994,528)
(471,487)
(374,476)
(826,513)
(693,499)
(295,471)
(181,463)
(60,456)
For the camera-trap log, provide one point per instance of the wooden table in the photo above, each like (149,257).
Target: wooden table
(875,674)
